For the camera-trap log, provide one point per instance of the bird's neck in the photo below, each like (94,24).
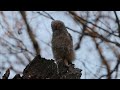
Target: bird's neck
(60,32)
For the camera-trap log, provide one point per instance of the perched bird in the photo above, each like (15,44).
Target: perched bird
(62,43)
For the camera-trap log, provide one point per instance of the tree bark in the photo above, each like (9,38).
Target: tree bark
(41,68)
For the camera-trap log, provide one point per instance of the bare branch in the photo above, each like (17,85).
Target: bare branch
(111,72)
(83,21)
(31,35)
(48,15)
(6,75)
(117,20)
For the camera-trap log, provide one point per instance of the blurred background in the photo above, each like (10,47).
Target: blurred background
(96,39)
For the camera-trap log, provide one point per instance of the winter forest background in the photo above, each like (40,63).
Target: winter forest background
(96,37)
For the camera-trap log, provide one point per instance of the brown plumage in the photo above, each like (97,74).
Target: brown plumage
(62,44)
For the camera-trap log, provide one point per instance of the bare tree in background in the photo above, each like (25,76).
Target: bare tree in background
(20,39)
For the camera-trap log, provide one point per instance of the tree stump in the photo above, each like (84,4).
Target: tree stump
(41,68)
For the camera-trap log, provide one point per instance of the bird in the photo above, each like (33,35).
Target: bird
(62,43)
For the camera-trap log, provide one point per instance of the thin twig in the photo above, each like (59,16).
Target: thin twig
(115,68)
(48,15)
(117,20)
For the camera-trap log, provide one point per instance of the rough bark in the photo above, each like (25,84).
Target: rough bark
(41,68)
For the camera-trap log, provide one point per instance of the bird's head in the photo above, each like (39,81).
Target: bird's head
(57,25)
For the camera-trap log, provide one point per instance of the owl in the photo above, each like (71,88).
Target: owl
(62,43)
